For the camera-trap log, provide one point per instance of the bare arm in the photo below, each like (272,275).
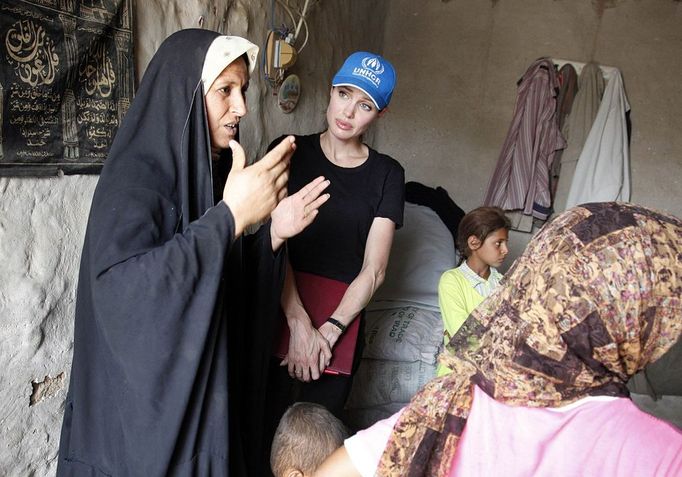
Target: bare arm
(338,464)
(367,448)
(371,276)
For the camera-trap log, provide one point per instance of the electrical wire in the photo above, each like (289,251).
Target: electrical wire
(296,29)
(289,34)
(301,19)
(305,40)
(288,10)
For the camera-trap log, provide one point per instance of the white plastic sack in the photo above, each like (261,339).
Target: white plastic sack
(403,334)
(422,250)
(380,382)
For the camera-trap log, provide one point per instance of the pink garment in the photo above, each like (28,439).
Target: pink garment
(596,436)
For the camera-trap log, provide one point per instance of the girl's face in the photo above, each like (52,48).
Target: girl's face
(493,250)
(226,103)
(350,112)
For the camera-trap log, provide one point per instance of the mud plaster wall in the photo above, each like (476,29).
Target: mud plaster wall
(42,221)
(458,63)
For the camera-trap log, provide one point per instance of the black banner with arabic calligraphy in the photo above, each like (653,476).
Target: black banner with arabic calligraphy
(66,81)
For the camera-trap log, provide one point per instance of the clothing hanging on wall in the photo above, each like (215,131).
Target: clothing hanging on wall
(595,163)
(568,79)
(521,178)
(578,126)
(603,169)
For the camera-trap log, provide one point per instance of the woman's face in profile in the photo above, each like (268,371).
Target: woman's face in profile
(226,103)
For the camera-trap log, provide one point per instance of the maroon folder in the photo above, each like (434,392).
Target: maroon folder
(320,297)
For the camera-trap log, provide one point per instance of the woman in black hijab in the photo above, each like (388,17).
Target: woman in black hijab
(172,330)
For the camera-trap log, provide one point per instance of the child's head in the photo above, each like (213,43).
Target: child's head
(305,436)
(482,228)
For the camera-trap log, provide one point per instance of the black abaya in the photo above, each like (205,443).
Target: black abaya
(173,315)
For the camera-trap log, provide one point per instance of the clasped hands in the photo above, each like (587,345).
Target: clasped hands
(310,349)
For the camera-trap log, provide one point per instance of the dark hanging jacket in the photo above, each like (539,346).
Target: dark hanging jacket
(173,315)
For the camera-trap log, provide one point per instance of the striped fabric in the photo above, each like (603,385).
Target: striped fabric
(521,177)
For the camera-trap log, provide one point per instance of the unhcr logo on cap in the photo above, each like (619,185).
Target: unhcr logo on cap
(371,68)
(373,63)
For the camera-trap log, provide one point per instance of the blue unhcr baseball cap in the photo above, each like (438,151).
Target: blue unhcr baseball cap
(371,73)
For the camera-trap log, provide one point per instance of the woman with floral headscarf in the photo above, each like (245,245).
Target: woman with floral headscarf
(541,366)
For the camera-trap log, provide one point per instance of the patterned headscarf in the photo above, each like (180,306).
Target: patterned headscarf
(593,299)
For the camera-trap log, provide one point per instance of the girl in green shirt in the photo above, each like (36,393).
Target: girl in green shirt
(482,238)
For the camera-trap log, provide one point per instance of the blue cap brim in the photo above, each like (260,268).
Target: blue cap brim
(350,81)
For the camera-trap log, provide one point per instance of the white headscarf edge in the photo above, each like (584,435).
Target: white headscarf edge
(223,51)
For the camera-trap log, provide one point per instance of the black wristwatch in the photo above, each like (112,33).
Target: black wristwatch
(337,323)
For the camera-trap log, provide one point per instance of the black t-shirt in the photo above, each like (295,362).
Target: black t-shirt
(334,244)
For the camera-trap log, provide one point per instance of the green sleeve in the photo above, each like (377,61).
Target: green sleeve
(457,299)
(452,301)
